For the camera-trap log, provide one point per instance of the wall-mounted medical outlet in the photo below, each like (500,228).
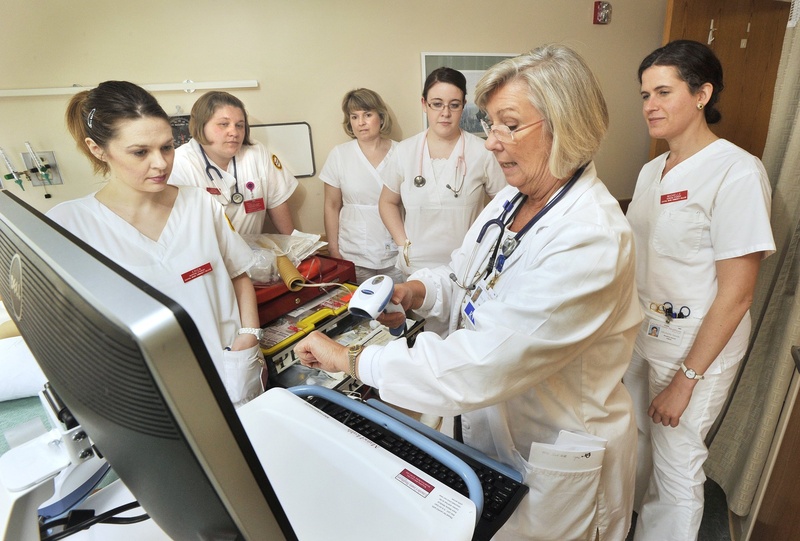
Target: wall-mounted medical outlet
(602,13)
(48,159)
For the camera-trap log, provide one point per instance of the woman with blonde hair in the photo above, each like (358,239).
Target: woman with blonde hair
(353,185)
(240,172)
(541,305)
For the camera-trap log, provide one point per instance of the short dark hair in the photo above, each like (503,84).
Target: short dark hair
(446,75)
(96,113)
(205,107)
(696,65)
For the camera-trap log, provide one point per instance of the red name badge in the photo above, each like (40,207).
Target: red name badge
(213,191)
(254,205)
(196,273)
(674,196)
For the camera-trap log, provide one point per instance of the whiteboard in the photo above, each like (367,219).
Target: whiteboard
(291,143)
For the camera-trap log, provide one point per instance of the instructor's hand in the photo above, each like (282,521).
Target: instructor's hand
(318,351)
(409,295)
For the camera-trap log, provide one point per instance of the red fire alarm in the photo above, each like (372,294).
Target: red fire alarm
(602,13)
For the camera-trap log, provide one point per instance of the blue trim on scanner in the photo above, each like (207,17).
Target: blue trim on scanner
(444,456)
(446,441)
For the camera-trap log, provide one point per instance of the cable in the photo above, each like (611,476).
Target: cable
(326,284)
(109,517)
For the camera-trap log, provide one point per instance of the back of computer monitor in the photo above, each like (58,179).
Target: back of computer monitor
(131,366)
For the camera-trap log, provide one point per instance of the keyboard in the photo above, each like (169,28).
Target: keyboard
(502,493)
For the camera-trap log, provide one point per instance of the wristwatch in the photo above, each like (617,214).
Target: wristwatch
(690,373)
(352,354)
(258,333)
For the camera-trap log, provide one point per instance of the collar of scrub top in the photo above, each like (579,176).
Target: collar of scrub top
(419,180)
(237,196)
(496,261)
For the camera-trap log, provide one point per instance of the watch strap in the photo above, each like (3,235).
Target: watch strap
(257,332)
(691,373)
(352,355)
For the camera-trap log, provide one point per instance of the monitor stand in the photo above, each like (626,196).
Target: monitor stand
(27,475)
(47,475)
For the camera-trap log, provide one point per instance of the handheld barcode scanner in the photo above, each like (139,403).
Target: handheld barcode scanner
(373,297)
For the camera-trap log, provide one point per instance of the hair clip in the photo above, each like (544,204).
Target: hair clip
(90,117)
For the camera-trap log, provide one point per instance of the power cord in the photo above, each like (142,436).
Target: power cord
(323,285)
(81,519)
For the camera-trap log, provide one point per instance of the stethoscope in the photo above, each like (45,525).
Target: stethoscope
(503,249)
(419,180)
(237,196)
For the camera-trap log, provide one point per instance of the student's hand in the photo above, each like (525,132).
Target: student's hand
(318,351)
(244,341)
(670,403)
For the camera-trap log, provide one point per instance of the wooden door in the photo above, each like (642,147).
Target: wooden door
(777,516)
(747,37)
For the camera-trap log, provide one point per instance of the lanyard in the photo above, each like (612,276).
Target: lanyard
(496,262)
(511,244)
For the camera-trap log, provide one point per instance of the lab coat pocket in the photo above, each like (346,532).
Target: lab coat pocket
(242,374)
(560,506)
(678,233)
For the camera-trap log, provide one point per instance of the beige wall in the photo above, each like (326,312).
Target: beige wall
(305,55)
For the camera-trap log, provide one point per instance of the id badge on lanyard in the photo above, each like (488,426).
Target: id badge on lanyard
(473,300)
(253,203)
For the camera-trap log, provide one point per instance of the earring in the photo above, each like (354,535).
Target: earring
(700,106)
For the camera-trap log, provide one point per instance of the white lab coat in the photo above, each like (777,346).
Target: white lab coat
(192,262)
(548,353)
(435,220)
(363,239)
(272,184)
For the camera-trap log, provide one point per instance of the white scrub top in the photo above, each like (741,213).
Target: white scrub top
(435,220)
(363,239)
(263,180)
(714,205)
(543,351)
(192,262)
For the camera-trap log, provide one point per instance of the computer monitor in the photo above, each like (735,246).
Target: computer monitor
(131,366)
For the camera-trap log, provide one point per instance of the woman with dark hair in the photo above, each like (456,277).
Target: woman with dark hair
(353,185)
(701,220)
(439,177)
(239,172)
(175,239)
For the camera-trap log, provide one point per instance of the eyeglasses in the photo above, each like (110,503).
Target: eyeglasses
(503,133)
(439,105)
